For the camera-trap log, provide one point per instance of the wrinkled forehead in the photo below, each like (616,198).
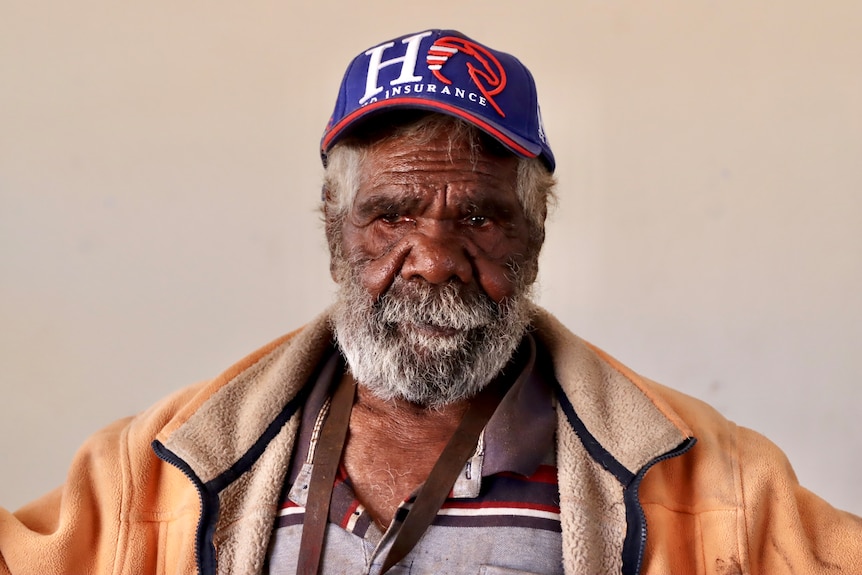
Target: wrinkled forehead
(415,129)
(440,157)
(406,176)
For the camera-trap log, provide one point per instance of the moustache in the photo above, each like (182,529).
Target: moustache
(452,305)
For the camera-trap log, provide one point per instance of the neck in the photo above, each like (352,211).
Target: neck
(406,418)
(392,446)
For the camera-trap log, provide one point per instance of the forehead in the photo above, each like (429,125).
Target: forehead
(438,161)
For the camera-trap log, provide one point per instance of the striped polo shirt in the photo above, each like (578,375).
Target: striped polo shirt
(502,516)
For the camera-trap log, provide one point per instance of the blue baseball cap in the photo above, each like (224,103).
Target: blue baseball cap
(443,71)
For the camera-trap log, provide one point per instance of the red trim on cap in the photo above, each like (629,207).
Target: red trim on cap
(423,103)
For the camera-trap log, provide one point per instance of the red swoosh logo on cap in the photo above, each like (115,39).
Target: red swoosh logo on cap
(484,68)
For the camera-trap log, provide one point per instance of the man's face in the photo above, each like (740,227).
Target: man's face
(438,214)
(435,270)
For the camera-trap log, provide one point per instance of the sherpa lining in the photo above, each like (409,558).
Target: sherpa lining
(610,402)
(614,409)
(247,399)
(610,399)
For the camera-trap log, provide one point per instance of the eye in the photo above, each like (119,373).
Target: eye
(477,221)
(391,218)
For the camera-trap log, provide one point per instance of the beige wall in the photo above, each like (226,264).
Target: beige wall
(159,179)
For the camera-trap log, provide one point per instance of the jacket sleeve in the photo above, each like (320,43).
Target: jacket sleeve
(733,504)
(75,528)
(122,510)
(788,528)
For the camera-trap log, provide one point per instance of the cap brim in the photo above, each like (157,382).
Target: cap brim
(514,143)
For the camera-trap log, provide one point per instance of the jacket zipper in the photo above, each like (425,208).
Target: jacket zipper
(632,498)
(204,550)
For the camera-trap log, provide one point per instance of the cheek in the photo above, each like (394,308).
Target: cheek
(375,258)
(496,284)
(495,270)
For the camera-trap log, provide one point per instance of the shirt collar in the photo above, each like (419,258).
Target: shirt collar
(520,434)
(518,438)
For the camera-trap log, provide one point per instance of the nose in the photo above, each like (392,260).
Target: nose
(437,257)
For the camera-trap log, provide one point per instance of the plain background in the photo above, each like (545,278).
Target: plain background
(159,184)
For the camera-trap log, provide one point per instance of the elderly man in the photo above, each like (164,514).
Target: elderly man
(434,420)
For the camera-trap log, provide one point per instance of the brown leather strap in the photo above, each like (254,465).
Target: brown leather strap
(326,458)
(445,472)
(431,496)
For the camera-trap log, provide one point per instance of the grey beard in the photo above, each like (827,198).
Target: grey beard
(393,358)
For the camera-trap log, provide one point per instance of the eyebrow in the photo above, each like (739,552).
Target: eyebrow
(488,203)
(382,203)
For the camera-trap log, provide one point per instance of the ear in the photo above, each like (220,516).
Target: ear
(537,240)
(332,227)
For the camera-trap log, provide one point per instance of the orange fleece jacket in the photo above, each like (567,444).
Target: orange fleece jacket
(729,504)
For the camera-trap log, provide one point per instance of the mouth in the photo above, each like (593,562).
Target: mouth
(431,330)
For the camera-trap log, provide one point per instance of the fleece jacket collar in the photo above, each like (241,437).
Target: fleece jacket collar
(247,420)
(631,424)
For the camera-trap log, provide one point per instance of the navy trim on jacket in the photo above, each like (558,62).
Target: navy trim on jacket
(209,491)
(634,544)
